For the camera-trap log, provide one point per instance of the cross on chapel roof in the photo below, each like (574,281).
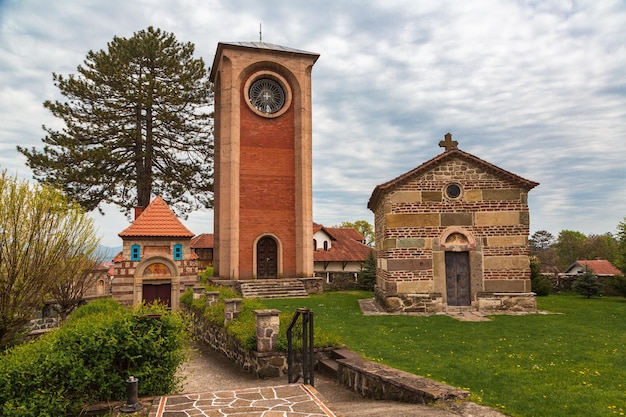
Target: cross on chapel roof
(448,143)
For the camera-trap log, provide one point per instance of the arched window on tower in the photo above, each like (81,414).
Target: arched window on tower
(314,244)
(325,245)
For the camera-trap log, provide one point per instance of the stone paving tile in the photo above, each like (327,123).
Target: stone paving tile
(279,401)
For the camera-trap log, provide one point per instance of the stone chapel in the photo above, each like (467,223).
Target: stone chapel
(452,234)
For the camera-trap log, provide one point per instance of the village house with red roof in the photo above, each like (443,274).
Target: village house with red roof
(203,245)
(599,267)
(339,252)
(156,262)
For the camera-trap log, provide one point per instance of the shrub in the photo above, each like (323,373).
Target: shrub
(367,275)
(89,359)
(587,284)
(206,274)
(618,284)
(539,283)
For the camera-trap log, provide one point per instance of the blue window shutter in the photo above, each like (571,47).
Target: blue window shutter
(178,252)
(135,252)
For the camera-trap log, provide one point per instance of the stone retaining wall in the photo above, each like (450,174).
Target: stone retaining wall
(380,382)
(261,364)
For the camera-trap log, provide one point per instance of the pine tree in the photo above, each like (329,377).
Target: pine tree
(587,284)
(137,123)
(367,275)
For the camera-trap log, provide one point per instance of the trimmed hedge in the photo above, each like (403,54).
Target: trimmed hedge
(90,358)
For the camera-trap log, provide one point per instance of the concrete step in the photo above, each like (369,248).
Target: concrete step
(328,367)
(273,289)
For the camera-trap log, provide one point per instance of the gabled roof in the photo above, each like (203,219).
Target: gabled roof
(382,189)
(344,247)
(203,241)
(597,266)
(157,220)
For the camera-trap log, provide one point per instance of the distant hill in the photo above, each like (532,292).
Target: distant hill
(109,252)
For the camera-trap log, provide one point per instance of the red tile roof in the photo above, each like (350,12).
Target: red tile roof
(203,241)
(599,267)
(157,220)
(344,247)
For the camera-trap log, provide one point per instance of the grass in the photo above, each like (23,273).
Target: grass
(567,364)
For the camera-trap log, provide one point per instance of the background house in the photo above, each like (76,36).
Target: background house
(599,267)
(202,245)
(339,254)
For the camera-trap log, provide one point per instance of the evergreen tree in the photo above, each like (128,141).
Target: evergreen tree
(367,275)
(137,123)
(620,253)
(540,285)
(587,284)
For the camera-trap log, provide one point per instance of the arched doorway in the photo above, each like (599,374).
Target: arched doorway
(157,284)
(266,258)
(458,279)
(457,245)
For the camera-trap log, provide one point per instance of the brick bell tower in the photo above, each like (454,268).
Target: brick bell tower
(263,161)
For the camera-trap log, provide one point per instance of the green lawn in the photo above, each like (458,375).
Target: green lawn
(571,363)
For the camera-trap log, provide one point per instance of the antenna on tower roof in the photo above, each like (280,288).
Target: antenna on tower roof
(260,33)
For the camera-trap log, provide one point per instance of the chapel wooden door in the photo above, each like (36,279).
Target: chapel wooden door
(266,258)
(458,278)
(161,292)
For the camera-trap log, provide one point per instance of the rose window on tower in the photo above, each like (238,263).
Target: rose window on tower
(266,95)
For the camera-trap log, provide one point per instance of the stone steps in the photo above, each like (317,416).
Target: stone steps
(330,366)
(276,288)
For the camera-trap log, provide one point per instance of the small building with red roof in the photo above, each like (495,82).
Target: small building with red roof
(203,245)
(338,252)
(156,262)
(598,267)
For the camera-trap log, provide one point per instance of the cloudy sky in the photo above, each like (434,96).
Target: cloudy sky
(536,87)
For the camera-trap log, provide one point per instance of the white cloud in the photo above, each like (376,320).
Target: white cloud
(535,87)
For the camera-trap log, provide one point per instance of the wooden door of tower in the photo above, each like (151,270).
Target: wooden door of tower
(266,258)
(161,292)
(458,278)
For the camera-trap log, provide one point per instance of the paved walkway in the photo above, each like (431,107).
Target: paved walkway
(281,401)
(216,387)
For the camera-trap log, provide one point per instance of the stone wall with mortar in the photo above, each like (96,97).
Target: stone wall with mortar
(261,364)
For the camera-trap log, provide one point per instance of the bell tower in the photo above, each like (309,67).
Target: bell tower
(263,161)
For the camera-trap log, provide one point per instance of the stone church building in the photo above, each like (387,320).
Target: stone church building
(453,233)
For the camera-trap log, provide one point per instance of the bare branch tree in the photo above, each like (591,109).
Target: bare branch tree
(39,231)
